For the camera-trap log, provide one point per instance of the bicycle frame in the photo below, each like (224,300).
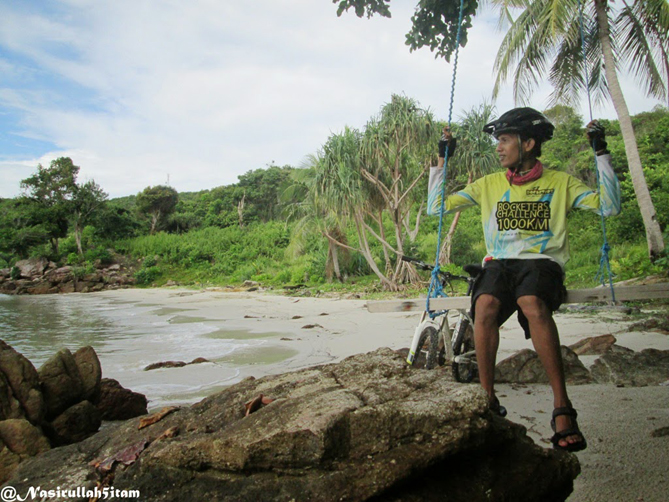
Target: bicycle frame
(443,328)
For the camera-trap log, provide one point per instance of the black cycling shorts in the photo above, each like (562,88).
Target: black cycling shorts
(508,280)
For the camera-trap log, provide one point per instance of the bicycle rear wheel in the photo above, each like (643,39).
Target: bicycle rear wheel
(427,353)
(464,371)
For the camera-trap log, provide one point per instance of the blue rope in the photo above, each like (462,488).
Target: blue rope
(435,289)
(604,261)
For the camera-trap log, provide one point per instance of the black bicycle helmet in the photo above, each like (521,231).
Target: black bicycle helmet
(527,122)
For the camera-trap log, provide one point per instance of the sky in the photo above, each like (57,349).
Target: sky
(195,93)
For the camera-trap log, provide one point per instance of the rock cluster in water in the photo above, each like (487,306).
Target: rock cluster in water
(40,276)
(61,403)
(367,427)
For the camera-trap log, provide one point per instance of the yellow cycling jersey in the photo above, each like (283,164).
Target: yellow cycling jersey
(530,220)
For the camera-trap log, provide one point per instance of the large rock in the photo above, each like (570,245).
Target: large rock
(19,440)
(623,366)
(23,380)
(369,426)
(61,383)
(75,424)
(525,367)
(90,371)
(60,275)
(32,267)
(115,402)
(594,345)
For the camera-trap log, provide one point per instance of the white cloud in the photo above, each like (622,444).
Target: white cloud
(205,90)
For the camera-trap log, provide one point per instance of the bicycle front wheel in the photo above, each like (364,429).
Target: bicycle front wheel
(427,353)
(464,371)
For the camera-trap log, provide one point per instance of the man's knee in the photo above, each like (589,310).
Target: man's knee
(487,308)
(533,307)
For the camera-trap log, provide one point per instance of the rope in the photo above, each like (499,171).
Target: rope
(604,262)
(435,289)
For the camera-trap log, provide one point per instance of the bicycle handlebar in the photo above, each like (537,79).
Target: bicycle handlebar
(426,266)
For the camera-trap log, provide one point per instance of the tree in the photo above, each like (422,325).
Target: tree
(369,179)
(434,23)
(18,230)
(313,215)
(474,157)
(395,148)
(51,190)
(157,203)
(550,31)
(87,199)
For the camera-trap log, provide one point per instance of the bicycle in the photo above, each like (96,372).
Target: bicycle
(455,345)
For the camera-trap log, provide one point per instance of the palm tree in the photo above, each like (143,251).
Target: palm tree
(312,215)
(550,30)
(474,157)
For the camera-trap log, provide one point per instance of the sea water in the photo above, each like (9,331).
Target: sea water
(128,336)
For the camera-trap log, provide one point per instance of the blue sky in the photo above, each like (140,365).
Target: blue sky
(202,91)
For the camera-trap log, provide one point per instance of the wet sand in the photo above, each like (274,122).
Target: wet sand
(623,462)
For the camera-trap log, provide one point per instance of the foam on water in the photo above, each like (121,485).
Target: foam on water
(127,337)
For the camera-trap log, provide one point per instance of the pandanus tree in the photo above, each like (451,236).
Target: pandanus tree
(370,178)
(394,152)
(547,37)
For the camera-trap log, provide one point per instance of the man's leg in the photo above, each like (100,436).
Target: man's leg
(546,342)
(486,340)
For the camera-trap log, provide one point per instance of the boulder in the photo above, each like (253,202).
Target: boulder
(624,367)
(59,275)
(19,440)
(594,345)
(32,267)
(9,405)
(75,424)
(90,371)
(368,426)
(24,382)
(525,367)
(61,383)
(118,403)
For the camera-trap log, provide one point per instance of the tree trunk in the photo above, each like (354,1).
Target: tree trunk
(367,253)
(653,231)
(77,237)
(240,211)
(335,261)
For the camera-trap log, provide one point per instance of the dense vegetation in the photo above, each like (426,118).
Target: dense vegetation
(340,219)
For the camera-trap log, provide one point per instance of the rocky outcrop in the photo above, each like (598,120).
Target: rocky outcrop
(525,367)
(118,403)
(58,405)
(625,367)
(39,276)
(369,426)
(594,345)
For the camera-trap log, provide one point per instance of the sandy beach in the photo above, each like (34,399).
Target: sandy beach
(623,462)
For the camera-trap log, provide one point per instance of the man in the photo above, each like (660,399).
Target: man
(524,212)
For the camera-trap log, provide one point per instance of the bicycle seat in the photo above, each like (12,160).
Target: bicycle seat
(473,269)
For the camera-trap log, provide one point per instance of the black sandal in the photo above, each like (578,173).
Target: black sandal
(497,408)
(571,431)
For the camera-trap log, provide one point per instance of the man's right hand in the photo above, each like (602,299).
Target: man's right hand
(447,139)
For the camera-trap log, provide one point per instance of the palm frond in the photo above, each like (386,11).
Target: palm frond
(644,41)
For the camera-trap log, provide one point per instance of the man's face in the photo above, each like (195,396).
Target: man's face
(507,150)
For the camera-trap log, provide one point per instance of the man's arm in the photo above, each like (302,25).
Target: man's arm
(607,201)
(456,202)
